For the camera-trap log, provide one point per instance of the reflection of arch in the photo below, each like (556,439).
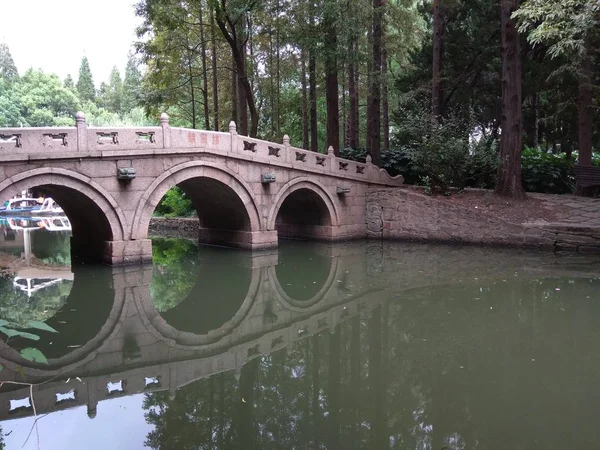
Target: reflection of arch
(88,350)
(312,186)
(162,329)
(296,305)
(182,173)
(73,191)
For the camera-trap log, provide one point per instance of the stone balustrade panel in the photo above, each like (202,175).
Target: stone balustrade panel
(36,140)
(142,138)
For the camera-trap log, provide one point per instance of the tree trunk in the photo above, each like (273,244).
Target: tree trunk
(369,122)
(204,73)
(235,116)
(385,105)
(304,104)
(215,85)
(586,116)
(331,79)
(236,38)
(278,45)
(436,82)
(509,172)
(353,107)
(312,91)
(585,112)
(272,84)
(375,105)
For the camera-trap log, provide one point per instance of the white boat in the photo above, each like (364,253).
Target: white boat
(20,206)
(49,206)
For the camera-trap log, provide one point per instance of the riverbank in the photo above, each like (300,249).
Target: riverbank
(550,222)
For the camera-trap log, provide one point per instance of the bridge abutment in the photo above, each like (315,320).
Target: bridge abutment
(118,253)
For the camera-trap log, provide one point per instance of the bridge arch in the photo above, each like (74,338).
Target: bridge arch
(156,324)
(109,326)
(103,220)
(224,203)
(303,208)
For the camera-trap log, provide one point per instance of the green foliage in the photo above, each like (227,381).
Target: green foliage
(175,204)
(8,70)
(175,271)
(548,173)
(440,151)
(85,82)
(131,85)
(10,106)
(562,25)
(44,101)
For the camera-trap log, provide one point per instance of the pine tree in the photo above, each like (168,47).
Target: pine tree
(69,83)
(131,85)
(114,92)
(85,83)
(8,70)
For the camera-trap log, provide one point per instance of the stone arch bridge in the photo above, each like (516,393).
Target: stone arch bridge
(247,192)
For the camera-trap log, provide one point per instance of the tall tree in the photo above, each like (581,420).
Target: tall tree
(131,85)
(331,75)
(509,172)
(375,88)
(8,70)
(436,85)
(69,83)
(232,20)
(85,82)
(215,84)
(114,92)
(568,29)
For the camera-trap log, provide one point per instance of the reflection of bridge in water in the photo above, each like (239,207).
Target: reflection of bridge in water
(137,350)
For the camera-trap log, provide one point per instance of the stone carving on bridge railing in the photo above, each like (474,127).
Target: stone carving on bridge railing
(146,136)
(107,138)
(274,151)
(300,156)
(250,146)
(10,139)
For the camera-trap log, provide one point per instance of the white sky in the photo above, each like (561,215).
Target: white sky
(53,35)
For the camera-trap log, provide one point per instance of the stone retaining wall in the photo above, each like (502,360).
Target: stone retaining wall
(406,214)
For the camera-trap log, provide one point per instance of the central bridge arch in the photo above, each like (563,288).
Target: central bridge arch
(225,206)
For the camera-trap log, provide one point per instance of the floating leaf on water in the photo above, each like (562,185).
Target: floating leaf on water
(33,354)
(9,332)
(38,325)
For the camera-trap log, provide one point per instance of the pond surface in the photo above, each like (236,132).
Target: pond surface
(364,345)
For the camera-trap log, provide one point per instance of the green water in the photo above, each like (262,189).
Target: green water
(353,346)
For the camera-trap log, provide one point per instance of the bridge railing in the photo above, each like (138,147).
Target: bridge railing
(41,143)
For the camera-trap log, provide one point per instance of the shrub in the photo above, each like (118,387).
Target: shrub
(546,173)
(175,204)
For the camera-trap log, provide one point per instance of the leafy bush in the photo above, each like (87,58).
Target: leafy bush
(547,173)
(175,204)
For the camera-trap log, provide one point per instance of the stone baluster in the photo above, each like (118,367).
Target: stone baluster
(286,149)
(332,159)
(166,130)
(234,136)
(80,123)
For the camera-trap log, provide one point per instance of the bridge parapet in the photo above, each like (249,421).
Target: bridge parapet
(18,144)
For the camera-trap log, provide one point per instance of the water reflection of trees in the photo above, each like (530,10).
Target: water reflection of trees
(453,368)
(19,308)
